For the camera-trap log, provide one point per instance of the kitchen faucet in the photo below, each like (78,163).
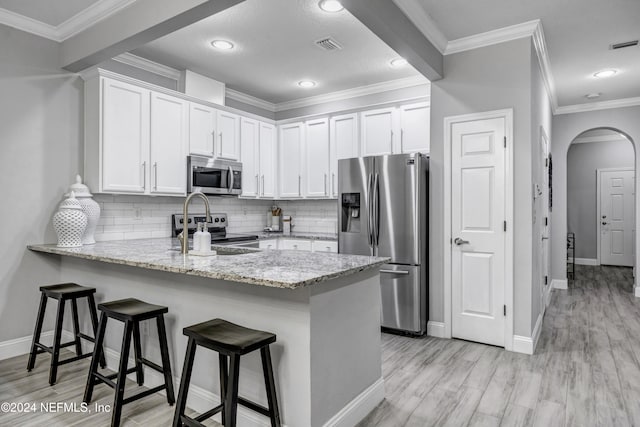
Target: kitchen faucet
(184,240)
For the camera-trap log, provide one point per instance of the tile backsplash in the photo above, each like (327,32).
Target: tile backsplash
(136,217)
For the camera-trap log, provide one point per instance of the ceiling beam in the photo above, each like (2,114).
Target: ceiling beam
(138,24)
(386,20)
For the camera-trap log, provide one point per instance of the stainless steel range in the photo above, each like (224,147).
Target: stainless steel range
(217,227)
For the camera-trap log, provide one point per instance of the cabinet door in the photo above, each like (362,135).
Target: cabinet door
(295,244)
(316,163)
(343,132)
(414,128)
(268,244)
(228,135)
(378,136)
(169,133)
(202,120)
(268,160)
(325,246)
(290,165)
(125,137)
(249,155)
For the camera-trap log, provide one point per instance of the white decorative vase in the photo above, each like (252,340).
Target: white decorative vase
(90,207)
(70,223)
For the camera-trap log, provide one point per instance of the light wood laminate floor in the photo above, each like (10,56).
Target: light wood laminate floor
(585,372)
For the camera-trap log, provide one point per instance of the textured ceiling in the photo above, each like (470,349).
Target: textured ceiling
(276,49)
(578,34)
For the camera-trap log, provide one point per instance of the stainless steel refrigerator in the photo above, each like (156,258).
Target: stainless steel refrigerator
(383,211)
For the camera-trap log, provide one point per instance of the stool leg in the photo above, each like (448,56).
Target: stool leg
(231,399)
(137,349)
(97,353)
(76,327)
(37,332)
(184,383)
(121,378)
(53,372)
(224,380)
(166,364)
(270,384)
(94,324)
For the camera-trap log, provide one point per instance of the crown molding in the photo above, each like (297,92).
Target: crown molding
(355,92)
(250,100)
(72,26)
(501,35)
(423,21)
(604,138)
(602,105)
(148,65)
(540,46)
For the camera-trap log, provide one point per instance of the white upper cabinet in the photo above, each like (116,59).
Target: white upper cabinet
(316,165)
(291,140)
(414,128)
(250,156)
(343,135)
(124,162)
(228,138)
(378,131)
(169,136)
(202,120)
(268,160)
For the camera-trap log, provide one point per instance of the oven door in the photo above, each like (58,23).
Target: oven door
(214,177)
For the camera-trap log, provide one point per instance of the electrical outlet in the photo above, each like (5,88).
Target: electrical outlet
(138,212)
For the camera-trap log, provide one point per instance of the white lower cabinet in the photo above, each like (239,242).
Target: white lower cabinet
(268,244)
(295,244)
(324,246)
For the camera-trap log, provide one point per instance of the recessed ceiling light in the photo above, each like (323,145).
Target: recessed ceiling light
(330,5)
(306,83)
(605,73)
(222,44)
(592,95)
(398,62)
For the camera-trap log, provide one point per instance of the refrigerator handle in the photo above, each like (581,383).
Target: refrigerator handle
(369,212)
(376,210)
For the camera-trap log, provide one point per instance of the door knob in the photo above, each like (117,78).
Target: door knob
(458,241)
(604,223)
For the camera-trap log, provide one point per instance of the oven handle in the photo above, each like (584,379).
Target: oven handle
(230,179)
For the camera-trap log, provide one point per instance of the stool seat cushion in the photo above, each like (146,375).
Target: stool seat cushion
(67,291)
(131,309)
(219,334)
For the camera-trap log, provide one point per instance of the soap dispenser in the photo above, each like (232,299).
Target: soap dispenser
(205,239)
(197,238)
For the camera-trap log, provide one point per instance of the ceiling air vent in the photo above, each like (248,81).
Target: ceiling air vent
(328,43)
(624,44)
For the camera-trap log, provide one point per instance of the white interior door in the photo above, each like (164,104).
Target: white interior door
(478,215)
(616,217)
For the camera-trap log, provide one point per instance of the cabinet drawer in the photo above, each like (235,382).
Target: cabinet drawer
(295,244)
(325,246)
(268,244)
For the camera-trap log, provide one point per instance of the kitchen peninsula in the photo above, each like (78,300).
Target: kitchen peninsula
(316,303)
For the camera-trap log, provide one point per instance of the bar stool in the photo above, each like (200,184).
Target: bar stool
(231,341)
(130,311)
(63,292)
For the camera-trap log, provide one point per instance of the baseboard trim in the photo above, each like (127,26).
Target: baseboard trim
(20,346)
(559,284)
(435,329)
(547,295)
(359,407)
(527,345)
(586,261)
(637,292)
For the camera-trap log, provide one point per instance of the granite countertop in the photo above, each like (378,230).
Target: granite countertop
(274,268)
(309,235)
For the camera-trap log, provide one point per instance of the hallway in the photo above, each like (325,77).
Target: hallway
(585,371)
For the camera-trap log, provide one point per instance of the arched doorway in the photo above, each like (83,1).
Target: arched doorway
(601,198)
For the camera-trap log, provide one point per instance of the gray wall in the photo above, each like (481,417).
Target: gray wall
(566,127)
(40,133)
(582,162)
(490,78)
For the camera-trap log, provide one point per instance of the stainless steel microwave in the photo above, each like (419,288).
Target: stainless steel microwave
(214,176)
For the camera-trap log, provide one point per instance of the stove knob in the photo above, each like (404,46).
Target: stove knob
(223,219)
(217,220)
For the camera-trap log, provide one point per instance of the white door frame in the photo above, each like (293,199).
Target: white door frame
(598,200)
(507,114)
